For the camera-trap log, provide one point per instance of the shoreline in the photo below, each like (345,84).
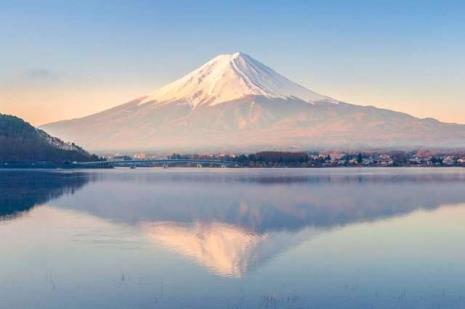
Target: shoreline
(2,168)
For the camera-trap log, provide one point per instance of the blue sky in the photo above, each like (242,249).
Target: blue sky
(63,59)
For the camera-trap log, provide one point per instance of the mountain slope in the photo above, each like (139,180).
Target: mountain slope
(235,102)
(21,142)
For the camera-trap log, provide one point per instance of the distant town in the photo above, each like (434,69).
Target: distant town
(420,158)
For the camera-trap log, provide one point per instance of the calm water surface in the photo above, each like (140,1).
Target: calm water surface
(233,238)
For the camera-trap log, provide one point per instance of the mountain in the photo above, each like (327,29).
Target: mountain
(234,102)
(21,142)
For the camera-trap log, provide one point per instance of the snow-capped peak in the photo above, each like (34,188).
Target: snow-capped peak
(229,77)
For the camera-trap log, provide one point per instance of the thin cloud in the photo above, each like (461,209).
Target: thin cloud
(40,74)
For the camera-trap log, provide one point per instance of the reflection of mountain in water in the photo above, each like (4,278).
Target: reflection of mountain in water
(22,190)
(232,222)
(226,250)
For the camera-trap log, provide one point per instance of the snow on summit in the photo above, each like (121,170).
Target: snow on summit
(229,77)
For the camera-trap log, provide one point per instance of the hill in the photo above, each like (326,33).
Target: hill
(21,142)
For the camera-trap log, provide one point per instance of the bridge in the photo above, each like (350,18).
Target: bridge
(153,162)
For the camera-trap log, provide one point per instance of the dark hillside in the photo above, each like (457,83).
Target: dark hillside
(21,142)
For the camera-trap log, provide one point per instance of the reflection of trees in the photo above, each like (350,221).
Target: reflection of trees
(304,176)
(22,190)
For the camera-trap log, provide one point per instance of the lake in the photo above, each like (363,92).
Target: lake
(233,238)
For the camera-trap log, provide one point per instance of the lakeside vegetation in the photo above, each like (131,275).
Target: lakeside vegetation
(420,158)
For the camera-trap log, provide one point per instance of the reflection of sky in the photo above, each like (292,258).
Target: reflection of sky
(57,256)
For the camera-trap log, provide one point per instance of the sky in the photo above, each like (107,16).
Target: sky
(66,59)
